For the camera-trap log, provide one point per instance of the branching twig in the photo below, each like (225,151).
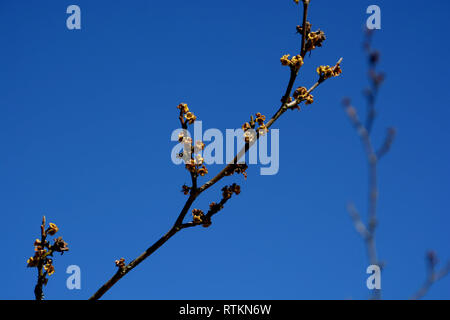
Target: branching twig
(433,275)
(309,41)
(43,251)
(367,231)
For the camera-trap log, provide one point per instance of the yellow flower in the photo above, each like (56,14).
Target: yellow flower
(296,62)
(190,165)
(49,268)
(202,171)
(181,136)
(326,72)
(227,192)
(301,94)
(32,262)
(337,70)
(315,39)
(236,188)
(262,129)
(197,215)
(120,263)
(260,118)
(199,146)
(199,160)
(285,60)
(187,141)
(38,245)
(190,117)
(246,126)
(309,99)
(183,107)
(249,136)
(52,229)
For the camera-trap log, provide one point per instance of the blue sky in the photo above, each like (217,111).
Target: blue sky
(85,124)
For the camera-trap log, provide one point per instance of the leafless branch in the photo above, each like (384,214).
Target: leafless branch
(433,275)
(43,256)
(357,221)
(390,136)
(368,230)
(307,44)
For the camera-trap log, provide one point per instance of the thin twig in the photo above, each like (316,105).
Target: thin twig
(38,289)
(390,136)
(368,231)
(370,228)
(304,23)
(357,221)
(433,276)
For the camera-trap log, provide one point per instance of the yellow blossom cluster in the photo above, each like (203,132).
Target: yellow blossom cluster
(183,108)
(52,229)
(295,62)
(194,164)
(326,72)
(302,94)
(184,138)
(202,171)
(249,136)
(315,39)
(262,128)
(188,115)
(120,263)
(228,191)
(199,146)
(198,217)
(246,126)
(49,268)
(43,250)
(249,127)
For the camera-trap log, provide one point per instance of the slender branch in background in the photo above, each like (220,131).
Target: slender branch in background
(375,80)
(389,139)
(368,230)
(309,41)
(358,222)
(433,275)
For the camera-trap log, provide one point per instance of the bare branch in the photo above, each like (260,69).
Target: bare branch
(390,136)
(199,217)
(368,230)
(433,275)
(357,221)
